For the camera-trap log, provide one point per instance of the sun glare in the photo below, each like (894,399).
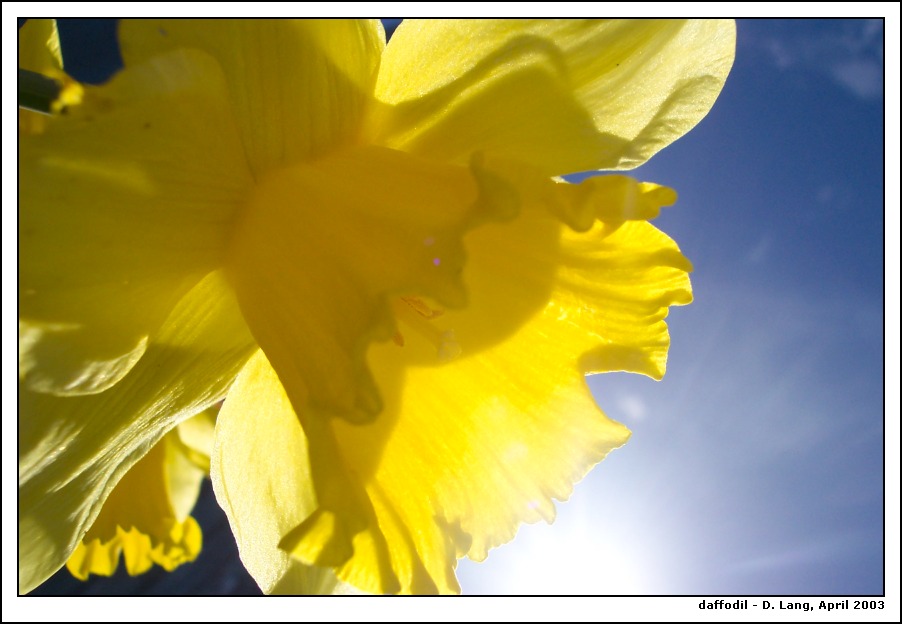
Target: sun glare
(570,557)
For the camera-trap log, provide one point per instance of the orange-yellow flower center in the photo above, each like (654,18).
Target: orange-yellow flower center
(321,249)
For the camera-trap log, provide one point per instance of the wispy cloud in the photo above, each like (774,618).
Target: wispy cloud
(864,78)
(849,52)
(632,406)
(760,251)
(812,551)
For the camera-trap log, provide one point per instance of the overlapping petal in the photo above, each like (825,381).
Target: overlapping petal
(74,450)
(299,88)
(112,236)
(261,479)
(561,95)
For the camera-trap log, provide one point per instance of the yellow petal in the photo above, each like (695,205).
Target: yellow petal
(466,450)
(96,557)
(182,545)
(298,87)
(561,95)
(514,266)
(39,46)
(194,438)
(112,236)
(606,289)
(315,258)
(261,479)
(183,472)
(74,450)
(39,51)
(140,518)
(615,286)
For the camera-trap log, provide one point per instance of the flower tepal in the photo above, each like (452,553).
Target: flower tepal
(363,249)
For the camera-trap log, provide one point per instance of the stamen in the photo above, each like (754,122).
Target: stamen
(415,314)
(420,306)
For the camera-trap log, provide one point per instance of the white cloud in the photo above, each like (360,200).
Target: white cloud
(632,406)
(863,78)
(849,52)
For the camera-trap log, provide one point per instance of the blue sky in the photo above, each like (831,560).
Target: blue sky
(757,465)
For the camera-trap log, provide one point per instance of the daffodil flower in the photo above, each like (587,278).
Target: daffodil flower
(366,250)
(146,517)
